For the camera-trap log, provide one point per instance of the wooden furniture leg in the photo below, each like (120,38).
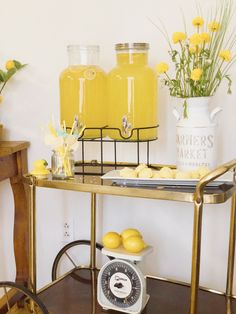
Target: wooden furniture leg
(13,164)
(21,234)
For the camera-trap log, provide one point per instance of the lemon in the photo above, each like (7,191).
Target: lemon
(10,64)
(134,244)
(182,175)
(166,173)
(129,233)
(111,240)
(40,164)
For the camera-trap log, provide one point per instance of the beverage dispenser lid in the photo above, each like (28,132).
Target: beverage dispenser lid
(83,48)
(83,54)
(132,46)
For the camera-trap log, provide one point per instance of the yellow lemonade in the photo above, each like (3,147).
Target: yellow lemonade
(132,94)
(82,94)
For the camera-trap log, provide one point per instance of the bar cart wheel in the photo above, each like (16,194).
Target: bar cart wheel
(17,296)
(65,255)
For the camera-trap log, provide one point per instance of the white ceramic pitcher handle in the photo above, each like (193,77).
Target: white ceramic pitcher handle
(176,114)
(215,112)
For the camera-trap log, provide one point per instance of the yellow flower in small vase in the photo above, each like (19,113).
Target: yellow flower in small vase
(198,21)
(177,37)
(214,26)
(196,74)
(225,55)
(162,67)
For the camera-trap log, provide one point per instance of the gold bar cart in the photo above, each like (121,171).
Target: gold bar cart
(167,296)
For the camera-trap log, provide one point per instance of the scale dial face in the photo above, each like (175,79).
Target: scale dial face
(121,284)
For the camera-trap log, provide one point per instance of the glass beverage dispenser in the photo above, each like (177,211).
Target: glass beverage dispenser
(132,93)
(82,90)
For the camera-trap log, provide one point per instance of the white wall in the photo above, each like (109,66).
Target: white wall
(37,32)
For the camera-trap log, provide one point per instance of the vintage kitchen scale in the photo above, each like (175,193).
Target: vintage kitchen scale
(121,283)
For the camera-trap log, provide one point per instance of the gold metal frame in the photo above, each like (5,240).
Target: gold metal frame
(197,197)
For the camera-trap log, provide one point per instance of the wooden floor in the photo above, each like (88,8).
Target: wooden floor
(76,295)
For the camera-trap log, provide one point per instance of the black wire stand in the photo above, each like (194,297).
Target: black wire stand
(100,166)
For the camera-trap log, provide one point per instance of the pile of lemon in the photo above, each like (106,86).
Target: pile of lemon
(131,240)
(142,171)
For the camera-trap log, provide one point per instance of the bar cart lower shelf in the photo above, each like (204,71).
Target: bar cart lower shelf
(76,293)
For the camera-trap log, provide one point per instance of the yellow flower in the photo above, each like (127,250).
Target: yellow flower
(192,49)
(196,74)
(196,39)
(198,21)
(10,64)
(214,26)
(206,37)
(225,55)
(1,98)
(178,37)
(162,67)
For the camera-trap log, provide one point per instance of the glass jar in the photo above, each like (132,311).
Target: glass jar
(132,93)
(82,90)
(62,164)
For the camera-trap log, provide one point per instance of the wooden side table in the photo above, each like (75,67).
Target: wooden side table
(13,164)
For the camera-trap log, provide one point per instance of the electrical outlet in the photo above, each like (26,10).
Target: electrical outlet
(68,235)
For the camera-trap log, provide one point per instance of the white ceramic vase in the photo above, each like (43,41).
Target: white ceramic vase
(196,137)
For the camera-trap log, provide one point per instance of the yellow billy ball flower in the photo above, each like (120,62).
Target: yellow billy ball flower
(196,74)
(214,26)
(192,49)
(198,21)
(196,39)
(10,64)
(162,67)
(225,55)
(206,37)
(178,37)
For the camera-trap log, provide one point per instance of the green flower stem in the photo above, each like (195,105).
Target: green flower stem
(215,79)
(3,86)
(183,69)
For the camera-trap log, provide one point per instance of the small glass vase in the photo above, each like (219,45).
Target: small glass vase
(62,165)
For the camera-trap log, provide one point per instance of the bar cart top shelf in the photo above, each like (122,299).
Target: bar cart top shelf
(94,184)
